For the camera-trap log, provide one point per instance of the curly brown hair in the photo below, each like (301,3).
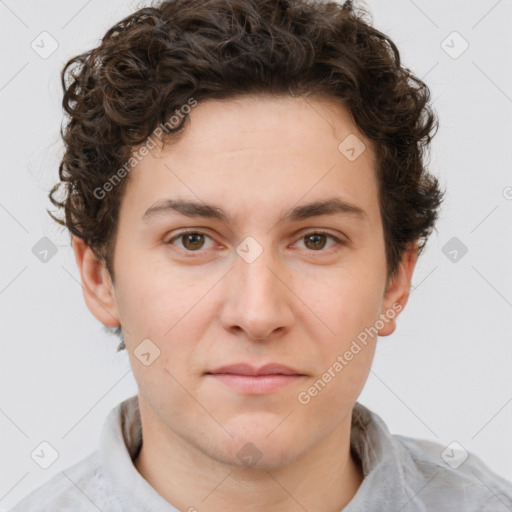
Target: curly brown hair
(152,62)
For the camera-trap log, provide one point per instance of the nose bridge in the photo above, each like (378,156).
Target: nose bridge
(259,301)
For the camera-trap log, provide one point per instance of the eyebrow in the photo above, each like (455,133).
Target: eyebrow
(329,206)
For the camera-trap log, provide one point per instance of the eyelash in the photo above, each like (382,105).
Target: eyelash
(338,241)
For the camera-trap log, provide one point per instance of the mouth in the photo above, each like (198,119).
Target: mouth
(247,379)
(248,370)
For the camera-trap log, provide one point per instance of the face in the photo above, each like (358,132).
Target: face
(252,275)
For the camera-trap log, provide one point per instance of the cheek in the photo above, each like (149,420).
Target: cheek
(346,358)
(347,306)
(152,298)
(171,310)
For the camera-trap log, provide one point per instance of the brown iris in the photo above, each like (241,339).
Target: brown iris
(193,241)
(318,241)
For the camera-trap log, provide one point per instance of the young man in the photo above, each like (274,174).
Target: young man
(247,198)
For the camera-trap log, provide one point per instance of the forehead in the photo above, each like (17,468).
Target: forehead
(255,156)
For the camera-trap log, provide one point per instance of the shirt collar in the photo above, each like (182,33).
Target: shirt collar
(383,461)
(120,443)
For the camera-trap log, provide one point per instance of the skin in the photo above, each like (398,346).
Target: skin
(298,303)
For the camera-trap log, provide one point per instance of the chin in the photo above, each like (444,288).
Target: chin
(255,449)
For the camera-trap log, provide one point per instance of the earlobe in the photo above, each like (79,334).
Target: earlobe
(399,289)
(97,285)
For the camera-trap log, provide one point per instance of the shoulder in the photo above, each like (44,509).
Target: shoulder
(81,487)
(442,475)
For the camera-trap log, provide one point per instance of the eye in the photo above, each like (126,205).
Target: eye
(317,240)
(191,240)
(194,240)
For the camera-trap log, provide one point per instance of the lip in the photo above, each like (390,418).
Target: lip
(247,369)
(247,379)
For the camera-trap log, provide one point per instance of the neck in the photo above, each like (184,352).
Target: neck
(192,481)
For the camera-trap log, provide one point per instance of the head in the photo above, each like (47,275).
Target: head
(290,122)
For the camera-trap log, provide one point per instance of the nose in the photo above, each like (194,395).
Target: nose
(258,299)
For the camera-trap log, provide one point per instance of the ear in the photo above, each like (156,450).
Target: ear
(96,284)
(399,289)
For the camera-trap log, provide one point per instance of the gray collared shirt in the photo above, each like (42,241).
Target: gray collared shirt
(401,474)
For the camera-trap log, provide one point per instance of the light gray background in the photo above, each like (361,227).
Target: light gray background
(445,373)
